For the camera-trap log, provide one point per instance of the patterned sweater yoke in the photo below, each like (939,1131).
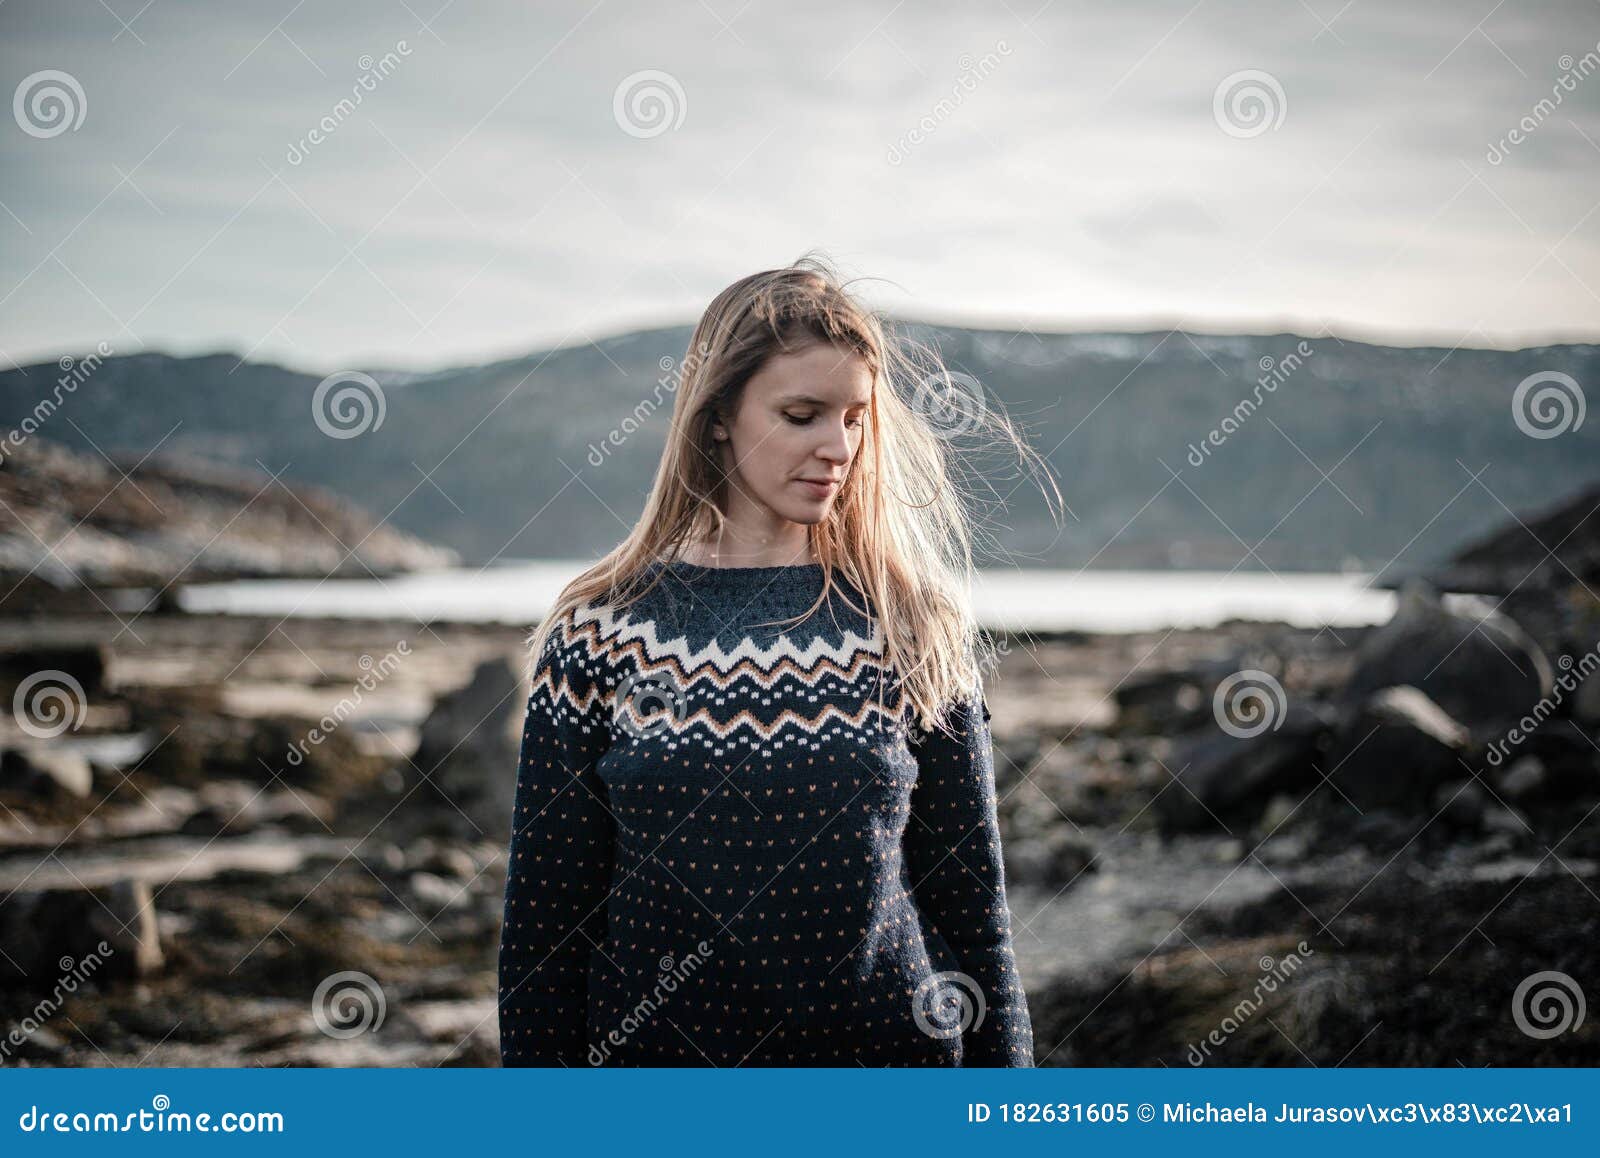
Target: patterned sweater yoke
(730,846)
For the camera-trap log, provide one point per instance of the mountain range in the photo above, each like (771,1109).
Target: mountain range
(1170,448)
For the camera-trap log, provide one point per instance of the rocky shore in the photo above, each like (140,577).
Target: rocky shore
(281,843)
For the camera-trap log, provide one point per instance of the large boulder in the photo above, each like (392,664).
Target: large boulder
(1476,664)
(1396,750)
(108,931)
(468,752)
(46,773)
(1222,781)
(84,664)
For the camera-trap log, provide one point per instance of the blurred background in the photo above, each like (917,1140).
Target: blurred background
(334,338)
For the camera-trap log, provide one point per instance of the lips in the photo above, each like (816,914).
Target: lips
(819,488)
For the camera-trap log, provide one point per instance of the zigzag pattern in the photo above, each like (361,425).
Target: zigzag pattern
(619,632)
(666,685)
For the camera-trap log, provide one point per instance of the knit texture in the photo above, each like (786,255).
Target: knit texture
(731,846)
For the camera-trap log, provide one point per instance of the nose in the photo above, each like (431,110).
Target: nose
(836,447)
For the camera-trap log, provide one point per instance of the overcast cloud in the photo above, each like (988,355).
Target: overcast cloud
(1062,166)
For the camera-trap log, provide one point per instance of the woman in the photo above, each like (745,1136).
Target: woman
(755,817)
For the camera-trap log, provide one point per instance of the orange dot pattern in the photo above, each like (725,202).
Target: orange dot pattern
(726,850)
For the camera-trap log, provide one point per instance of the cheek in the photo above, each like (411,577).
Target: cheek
(771,446)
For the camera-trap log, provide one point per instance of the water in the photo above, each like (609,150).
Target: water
(1019,600)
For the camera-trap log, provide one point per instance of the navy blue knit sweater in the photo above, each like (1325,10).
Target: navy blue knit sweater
(732,847)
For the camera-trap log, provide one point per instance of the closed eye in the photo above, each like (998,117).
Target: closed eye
(805,420)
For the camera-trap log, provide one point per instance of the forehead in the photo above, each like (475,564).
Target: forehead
(819,373)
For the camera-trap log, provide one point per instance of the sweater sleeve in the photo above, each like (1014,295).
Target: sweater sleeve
(952,847)
(559,870)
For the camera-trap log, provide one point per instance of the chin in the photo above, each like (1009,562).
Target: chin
(810,514)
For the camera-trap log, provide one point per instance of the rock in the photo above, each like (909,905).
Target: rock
(1461,804)
(1383,831)
(469,748)
(1050,861)
(235,807)
(1408,705)
(202,744)
(160,860)
(84,664)
(185,518)
(1476,664)
(1524,778)
(1500,818)
(1536,550)
(46,772)
(1586,702)
(1171,701)
(1223,781)
(1284,848)
(106,932)
(436,893)
(1229,851)
(445,860)
(1396,751)
(1278,811)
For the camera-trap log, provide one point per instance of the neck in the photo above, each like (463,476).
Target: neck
(731,550)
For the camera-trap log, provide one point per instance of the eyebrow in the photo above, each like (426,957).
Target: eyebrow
(787,398)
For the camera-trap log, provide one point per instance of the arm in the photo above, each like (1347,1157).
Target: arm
(952,847)
(559,872)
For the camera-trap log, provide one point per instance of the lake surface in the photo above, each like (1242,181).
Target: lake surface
(519,592)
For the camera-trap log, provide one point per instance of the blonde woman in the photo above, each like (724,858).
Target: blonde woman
(755,816)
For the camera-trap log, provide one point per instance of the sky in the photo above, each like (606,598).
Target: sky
(200,177)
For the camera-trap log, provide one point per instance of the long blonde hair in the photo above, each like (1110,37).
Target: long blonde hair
(899,529)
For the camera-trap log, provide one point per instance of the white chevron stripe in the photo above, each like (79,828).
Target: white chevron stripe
(622,630)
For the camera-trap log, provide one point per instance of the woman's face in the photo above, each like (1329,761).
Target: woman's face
(800,420)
